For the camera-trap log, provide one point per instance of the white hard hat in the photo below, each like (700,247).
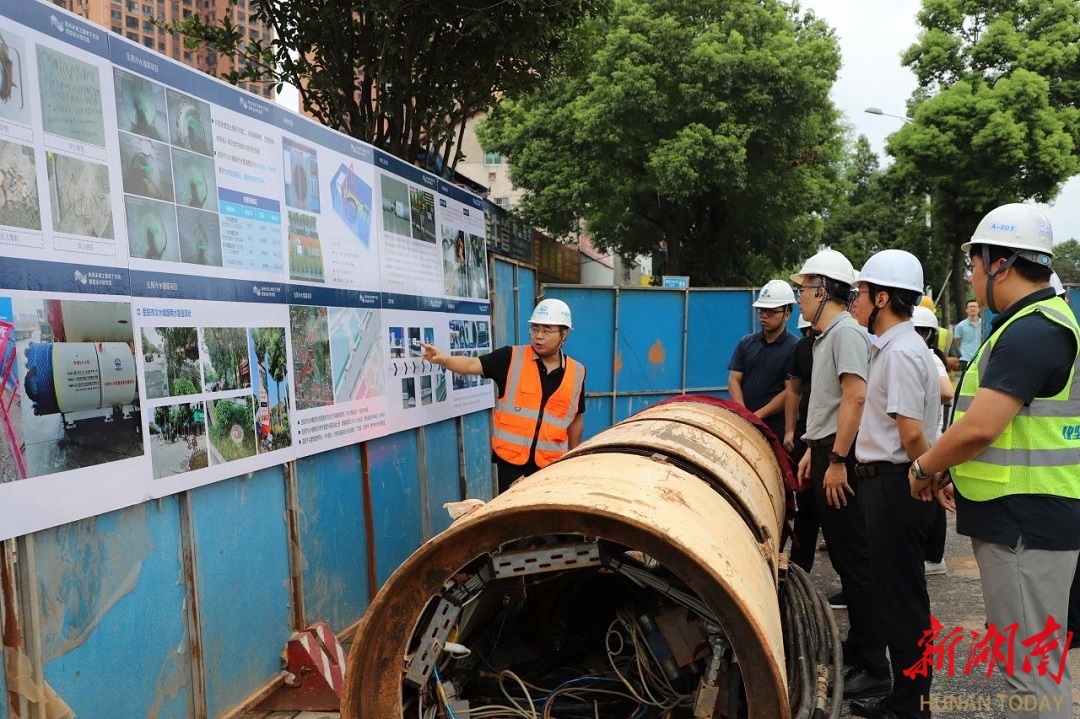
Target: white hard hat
(827,263)
(1055,282)
(923,317)
(803,323)
(1018,227)
(551,312)
(893,268)
(775,293)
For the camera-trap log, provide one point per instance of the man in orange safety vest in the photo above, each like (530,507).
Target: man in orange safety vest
(541,393)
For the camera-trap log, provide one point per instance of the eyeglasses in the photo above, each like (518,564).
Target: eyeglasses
(799,290)
(543,330)
(769,311)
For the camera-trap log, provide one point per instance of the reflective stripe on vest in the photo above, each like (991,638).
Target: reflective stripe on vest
(1039,450)
(517,412)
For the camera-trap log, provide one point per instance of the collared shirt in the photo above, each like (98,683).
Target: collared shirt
(1045,522)
(970,335)
(903,382)
(843,348)
(763,365)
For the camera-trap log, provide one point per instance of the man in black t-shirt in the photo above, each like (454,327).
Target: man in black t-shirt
(1011,453)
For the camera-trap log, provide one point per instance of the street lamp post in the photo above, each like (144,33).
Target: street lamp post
(906,120)
(879,111)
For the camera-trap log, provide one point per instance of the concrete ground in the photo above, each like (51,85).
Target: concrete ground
(955,600)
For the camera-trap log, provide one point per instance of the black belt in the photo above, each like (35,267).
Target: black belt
(872,469)
(826,442)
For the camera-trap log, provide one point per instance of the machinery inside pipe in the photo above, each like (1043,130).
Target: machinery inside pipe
(639,577)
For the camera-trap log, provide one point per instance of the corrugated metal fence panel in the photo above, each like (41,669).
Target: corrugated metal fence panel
(716,321)
(442,471)
(396,501)
(598,414)
(650,329)
(477,442)
(113,626)
(591,341)
(526,294)
(242,582)
(332,537)
(503,306)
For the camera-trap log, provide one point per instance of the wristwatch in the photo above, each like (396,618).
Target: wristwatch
(837,458)
(917,472)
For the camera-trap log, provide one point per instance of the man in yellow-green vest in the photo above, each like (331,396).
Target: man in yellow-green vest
(1013,455)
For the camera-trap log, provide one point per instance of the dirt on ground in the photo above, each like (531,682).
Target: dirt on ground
(956,601)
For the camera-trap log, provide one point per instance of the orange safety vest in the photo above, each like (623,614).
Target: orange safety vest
(517,412)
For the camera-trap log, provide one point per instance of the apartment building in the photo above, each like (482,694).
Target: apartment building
(134,19)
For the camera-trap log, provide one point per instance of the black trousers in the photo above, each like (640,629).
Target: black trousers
(804,546)
(508,473)
(845,536)
(935,538)
(898,528)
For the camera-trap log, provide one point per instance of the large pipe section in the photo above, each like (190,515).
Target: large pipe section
(683,502)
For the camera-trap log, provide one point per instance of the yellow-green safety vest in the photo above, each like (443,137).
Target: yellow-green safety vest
(1039,450)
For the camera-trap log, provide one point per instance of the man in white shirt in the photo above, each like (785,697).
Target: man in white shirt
(899,417)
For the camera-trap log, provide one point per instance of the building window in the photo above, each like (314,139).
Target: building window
(131,21)
(492,158)
(117,29)
(492,177)
(116,14)
(503,202)
(161,46)
(133,36)
(187,56)
(149,42)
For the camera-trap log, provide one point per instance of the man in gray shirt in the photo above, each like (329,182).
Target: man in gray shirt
(900,413)
(837,392)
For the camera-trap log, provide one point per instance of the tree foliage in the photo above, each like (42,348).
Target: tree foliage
(994,115)
(403,76)
(1067,261)
(227,348)
(702,126)
(878,209)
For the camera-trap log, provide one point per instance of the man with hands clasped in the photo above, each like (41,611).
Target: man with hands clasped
(837,393)
(899,417)
(1012,451)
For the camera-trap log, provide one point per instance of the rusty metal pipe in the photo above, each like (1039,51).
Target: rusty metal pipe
(692,485)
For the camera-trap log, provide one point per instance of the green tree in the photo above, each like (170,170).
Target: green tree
(994,115)
(179,343)
(279,365)
(703,127)
(876,210)
(403,76)
(227,347)
(1067,261)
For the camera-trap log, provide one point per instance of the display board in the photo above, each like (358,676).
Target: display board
(196,283)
